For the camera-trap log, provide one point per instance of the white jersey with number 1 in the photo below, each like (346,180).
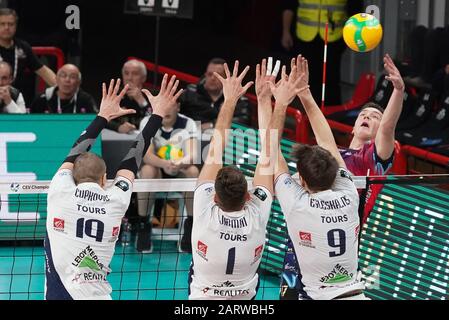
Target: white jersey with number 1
(83,224)
(324,229)
(227,246)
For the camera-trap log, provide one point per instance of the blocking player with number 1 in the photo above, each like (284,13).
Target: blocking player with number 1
(321,211)
(229,221)
(83,214)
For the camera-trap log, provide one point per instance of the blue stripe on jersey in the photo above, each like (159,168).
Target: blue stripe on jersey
(302,293)
(180,123)
(191,272)
(55,288)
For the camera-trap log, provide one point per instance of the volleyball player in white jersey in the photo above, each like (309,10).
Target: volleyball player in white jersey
(83,214)
(320,211)
(229,221)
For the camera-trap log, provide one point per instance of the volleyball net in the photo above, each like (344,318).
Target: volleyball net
(403,248)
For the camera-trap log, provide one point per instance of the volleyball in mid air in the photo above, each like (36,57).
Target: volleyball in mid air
(170,152)
(362,32)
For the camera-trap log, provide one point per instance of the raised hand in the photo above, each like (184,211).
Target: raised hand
(232,84)
(289,86)
(110,102)
(167,97)
(393,73)
(265,75)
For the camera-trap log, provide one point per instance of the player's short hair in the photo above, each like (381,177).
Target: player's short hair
(88,167)
(374,106)
(9,12)
(231,188)
(217,61)
(317,167)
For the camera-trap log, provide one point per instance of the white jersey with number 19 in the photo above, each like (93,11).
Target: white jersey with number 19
(83,224)
(324,229)
(227,246)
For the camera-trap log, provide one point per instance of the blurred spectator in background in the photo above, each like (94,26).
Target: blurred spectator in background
(202,101)
(305,19)
(19,54)
(177,132)
(66,96)
(134,74)
(11,100)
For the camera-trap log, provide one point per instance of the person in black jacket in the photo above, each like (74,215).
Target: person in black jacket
(66,96)
(202,101)
(19,55)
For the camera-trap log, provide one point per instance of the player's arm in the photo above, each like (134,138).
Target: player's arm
(109,109)
(320,127)
(232,91)
(161,105)
(385,135)
(284,92)
(265,74)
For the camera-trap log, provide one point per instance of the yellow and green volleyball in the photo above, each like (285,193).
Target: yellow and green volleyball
(170,152)
(362,32)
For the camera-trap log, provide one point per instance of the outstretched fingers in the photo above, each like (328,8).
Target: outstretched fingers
(246,87)
(243,74)
(235,72)
(174,88)
(164,84)
(111,87)
(226,70)
(148,94)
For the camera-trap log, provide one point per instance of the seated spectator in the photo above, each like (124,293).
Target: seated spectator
(66,96)
(181,132)
(11,100)
(134,74)
(19,54)
(202,101)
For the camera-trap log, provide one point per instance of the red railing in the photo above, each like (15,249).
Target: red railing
(53,52)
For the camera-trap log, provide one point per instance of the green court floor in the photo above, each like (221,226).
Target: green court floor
(160,275)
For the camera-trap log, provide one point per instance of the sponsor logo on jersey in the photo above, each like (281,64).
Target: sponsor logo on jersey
(88,259)
(305,239)
(233,222)
(202,250)
(345,174)
(115,231)
(58,224)
(337,275)
(288,181)
(259,193)
(257,254)
(330,204)
(64,173)
(91,196)
(230,292)
(258,251)
(209,190)
(233,237)
(89,277)
(121,184)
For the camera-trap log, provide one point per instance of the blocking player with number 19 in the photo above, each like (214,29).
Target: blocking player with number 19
(83,213)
